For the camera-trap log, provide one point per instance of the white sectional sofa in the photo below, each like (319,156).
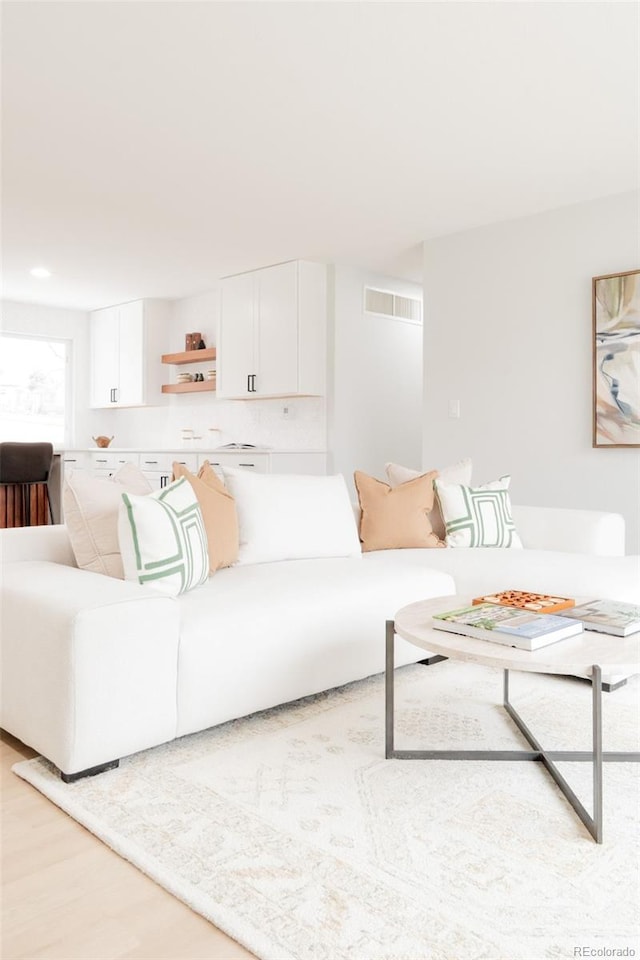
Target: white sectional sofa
(95,668)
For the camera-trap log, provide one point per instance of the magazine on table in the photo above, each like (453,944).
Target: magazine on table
(535,602)
(607,616)
(510,626)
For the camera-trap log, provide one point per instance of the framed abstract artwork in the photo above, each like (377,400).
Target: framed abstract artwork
(616,359)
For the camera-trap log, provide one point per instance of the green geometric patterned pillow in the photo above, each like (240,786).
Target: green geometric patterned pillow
(478,516)
(162,539)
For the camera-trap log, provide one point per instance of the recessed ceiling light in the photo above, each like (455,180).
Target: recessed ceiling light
(40,272)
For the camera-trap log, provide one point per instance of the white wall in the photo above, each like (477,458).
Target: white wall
(35,320)
(508,333)
(375,380)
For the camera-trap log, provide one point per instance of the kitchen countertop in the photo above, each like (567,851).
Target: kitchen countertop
(183,449)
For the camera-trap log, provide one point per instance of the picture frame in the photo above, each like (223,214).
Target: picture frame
(616,359)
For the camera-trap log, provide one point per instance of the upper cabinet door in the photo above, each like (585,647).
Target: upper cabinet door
(104,337)
(236,358)
(125,349)
(277,330)
(131,358)
(272,332)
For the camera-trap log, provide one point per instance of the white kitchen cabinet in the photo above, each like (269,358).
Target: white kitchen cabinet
(241,459)
(158,467)
(125,345)
(104,463)
(75,460)
(272,332)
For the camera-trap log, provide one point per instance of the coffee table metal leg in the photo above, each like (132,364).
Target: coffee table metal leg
(596,693)
(546,757)
(596,755)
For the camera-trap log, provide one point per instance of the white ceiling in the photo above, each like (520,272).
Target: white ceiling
(150,148)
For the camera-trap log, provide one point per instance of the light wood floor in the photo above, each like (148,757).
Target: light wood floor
(67,896)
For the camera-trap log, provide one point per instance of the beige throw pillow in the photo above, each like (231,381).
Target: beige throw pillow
(218,512)
(459,472)
(90,507)
(396,517)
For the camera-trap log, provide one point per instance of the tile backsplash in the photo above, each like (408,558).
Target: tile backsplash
(260,422)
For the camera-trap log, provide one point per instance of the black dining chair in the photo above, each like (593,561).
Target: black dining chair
(26,466)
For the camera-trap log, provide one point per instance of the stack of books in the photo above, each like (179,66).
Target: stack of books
(528,621)
(511,626)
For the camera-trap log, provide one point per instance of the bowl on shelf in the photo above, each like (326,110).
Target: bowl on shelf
(102,441)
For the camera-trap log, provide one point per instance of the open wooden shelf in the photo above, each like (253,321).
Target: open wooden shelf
(189,356)
(198,386)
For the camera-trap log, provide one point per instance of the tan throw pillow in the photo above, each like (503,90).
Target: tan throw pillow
(396,517)
(459,472)
(218,512)
(90,507)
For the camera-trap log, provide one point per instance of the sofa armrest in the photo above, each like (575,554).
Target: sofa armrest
(572,531)
(89,663)
(49,542)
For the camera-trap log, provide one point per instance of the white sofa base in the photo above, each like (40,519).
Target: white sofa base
(94,668)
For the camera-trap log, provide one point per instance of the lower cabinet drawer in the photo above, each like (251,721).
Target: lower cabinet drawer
(244,460)
(103,460)
(163,462)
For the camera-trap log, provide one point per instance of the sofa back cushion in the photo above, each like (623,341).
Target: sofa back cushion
(91,515)
(289,517)
(393,518)
(218,512)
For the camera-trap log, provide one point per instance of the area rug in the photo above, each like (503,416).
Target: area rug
(291,832)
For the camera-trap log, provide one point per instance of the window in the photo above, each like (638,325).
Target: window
(34,388)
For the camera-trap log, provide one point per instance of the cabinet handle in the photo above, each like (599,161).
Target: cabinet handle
(151,462)
(70,460)
(248,383)
(246,464)
(98,460)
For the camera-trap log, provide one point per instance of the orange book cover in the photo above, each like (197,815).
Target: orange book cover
(536,602)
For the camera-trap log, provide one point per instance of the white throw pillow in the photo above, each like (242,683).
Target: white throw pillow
(478,516)
(90,507)
(459,472)
(163,540)
(290,517)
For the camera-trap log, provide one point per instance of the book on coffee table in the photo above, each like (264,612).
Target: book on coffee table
(607,616)
(510,626)
(536,602)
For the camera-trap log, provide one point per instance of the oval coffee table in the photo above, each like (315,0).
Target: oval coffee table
(585,655)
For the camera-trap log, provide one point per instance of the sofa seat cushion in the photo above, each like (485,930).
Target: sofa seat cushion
(262,634)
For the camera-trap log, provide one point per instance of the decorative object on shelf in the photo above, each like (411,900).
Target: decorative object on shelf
(188,382)
(188,341)
(195,340)
(102,441)
(201,345)
(616,359)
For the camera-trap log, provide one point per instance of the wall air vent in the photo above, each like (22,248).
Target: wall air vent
(387,304)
